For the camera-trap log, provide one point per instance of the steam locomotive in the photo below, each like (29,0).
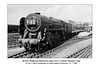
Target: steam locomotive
(39,32)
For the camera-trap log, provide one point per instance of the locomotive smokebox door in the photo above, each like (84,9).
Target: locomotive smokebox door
(32,22)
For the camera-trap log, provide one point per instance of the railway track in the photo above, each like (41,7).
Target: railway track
(52,52)
(38,55)
(83,53)
(19,55)
(47,54)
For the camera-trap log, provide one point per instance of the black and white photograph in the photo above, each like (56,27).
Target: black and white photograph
(49,31)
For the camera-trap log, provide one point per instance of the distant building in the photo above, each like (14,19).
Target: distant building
(70,21)
(13,28)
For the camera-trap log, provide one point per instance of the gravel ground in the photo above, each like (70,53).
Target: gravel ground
(73,48)
(15,51)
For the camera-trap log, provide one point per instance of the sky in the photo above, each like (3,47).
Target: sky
(77,13)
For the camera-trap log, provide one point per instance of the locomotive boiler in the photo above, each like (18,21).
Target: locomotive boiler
(39,32)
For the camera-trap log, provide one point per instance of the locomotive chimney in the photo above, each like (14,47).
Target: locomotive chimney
(38,13)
